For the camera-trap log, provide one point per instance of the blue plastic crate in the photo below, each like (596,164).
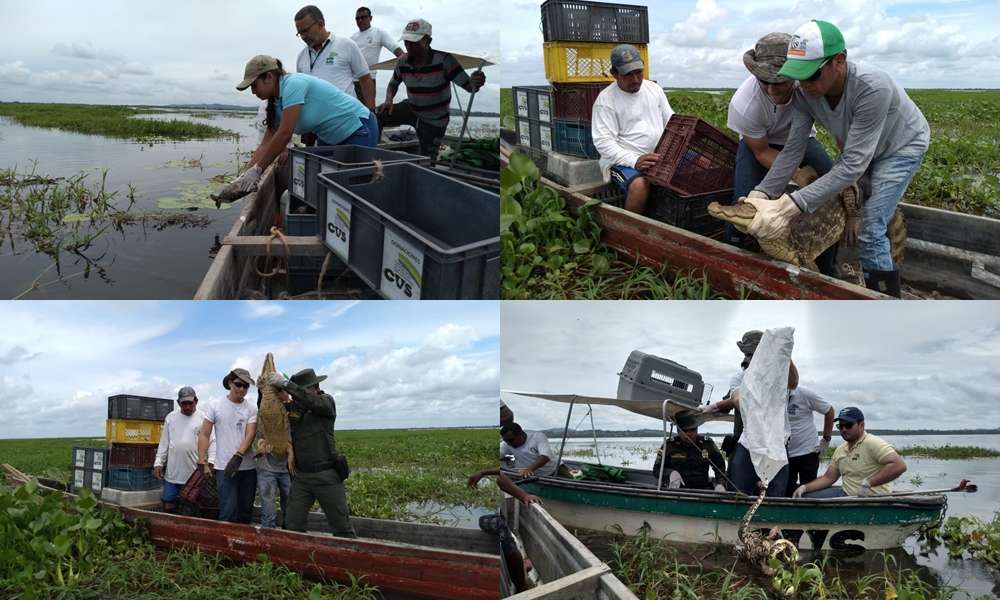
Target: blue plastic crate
(132,479)
(573,138)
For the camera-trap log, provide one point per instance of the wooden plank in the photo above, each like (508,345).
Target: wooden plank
(729,270)
(951,271)
(580,585)
(256,245)
(968,232)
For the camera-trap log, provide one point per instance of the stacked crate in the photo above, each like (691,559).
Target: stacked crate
(579,37)
(89,469)
(133,429)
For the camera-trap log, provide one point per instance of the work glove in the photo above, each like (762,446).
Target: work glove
(865,489)
(709,409)
(719,487)
(772,216)
(478,79)
(277,380)
(824,445)
(757,194)
(676,481)
(799,491)
(247,182)
(233,466)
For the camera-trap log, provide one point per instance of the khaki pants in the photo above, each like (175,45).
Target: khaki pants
(326,488)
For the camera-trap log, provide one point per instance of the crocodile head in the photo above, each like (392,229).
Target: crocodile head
(740,214)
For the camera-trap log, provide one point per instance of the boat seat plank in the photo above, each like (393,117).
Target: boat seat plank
(582,584)
(256,245)
(968,232)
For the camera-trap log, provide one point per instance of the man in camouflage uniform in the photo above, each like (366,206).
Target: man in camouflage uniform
(688,457)
(320,469)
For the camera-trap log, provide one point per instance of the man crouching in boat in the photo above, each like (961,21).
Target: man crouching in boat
(866,462)
(688,456)
(530,450)
(320,470)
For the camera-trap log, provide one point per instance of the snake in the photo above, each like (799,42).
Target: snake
(759,550)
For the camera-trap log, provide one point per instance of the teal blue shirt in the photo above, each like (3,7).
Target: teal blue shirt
(326,111)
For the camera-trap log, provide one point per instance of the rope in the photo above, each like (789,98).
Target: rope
(322,274)
(276,233)
(379,173)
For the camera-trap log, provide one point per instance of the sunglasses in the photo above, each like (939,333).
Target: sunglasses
(239,384)
(819,72)
(843,425)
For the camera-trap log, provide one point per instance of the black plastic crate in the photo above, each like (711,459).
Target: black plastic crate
(90,458)
(140,408)
(415,233)
(575,20)
(689,212)
(133,455)
(574,138)
(306,164)
(132,479)
(535,134)
(95,480)
(609,194)
(533,102)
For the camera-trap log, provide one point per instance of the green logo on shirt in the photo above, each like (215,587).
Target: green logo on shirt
(330,58)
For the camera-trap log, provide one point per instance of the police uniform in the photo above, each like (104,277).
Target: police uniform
(691,462)
(311,417)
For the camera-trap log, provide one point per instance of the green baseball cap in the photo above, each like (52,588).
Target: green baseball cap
(811,45)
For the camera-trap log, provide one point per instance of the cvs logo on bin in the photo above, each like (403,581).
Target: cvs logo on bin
(401,283)
(337,232)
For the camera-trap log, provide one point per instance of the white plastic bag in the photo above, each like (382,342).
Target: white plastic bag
(764,402)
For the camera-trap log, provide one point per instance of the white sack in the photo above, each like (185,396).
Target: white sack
(764,402)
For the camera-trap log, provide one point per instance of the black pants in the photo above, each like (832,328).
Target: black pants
(802,470)
(429,136)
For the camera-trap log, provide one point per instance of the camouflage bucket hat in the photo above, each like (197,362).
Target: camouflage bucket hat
(766,58)
(748,345)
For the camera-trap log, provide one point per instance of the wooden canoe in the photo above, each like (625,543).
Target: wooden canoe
(948,254)
(414,560)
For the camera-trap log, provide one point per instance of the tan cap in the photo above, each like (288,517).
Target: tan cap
(415,30)
(241,374)
(257,66)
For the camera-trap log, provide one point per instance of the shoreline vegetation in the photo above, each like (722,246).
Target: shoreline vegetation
(111,121)
(960,172)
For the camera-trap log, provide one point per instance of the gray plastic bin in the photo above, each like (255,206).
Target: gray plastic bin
(415,233)
(648,377)
(533,102)
(142,408)
(88,469)
(306,164)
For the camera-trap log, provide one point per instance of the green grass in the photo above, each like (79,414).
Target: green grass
(947,452)
(507,108)
(393,471)
(109,121)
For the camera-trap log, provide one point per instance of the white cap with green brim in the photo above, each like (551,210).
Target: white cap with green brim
(811,45)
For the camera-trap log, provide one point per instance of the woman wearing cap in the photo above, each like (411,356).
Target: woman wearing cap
(761,113)
(299,103)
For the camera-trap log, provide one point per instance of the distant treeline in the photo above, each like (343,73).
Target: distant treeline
(603,433)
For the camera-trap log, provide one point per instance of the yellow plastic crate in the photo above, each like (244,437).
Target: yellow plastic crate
(127,431)
(582,62)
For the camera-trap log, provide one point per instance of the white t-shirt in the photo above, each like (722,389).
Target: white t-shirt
(339,61)
(524,456)
(179,445)
(371,41)
(625,126)
(230,422)
(802,403)
(753,114)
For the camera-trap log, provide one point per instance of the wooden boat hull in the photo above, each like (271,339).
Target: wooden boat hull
(697,517)
(411,559)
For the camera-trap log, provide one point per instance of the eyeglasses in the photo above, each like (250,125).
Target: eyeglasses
(819,71)
(306,29)
(239,384)
(843,425)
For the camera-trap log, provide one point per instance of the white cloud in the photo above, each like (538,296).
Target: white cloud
(84,50)
(14,73)
(262,310)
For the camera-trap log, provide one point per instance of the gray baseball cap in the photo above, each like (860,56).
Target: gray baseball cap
(625,58)
(187,394)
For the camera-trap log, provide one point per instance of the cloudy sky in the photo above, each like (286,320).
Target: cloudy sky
(390,364)
(907,365)
(187,51)
(700,43)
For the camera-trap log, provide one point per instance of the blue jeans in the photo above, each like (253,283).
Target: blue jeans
(749,172)
(623,176)
(271,484)
(831,492)
(236,495)
(366,135)
(743,474)
(890,177)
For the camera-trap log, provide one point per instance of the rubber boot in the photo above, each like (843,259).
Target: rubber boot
(886,282)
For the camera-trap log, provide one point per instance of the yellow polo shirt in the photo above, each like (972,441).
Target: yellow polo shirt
(862,461)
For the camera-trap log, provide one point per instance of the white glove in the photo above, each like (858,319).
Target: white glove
(277,380)
(758,194)
(864,489)
(719,487)
(675,480)
(709,409)
(247,182)
(824,445)
(772,216)
(799,491)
